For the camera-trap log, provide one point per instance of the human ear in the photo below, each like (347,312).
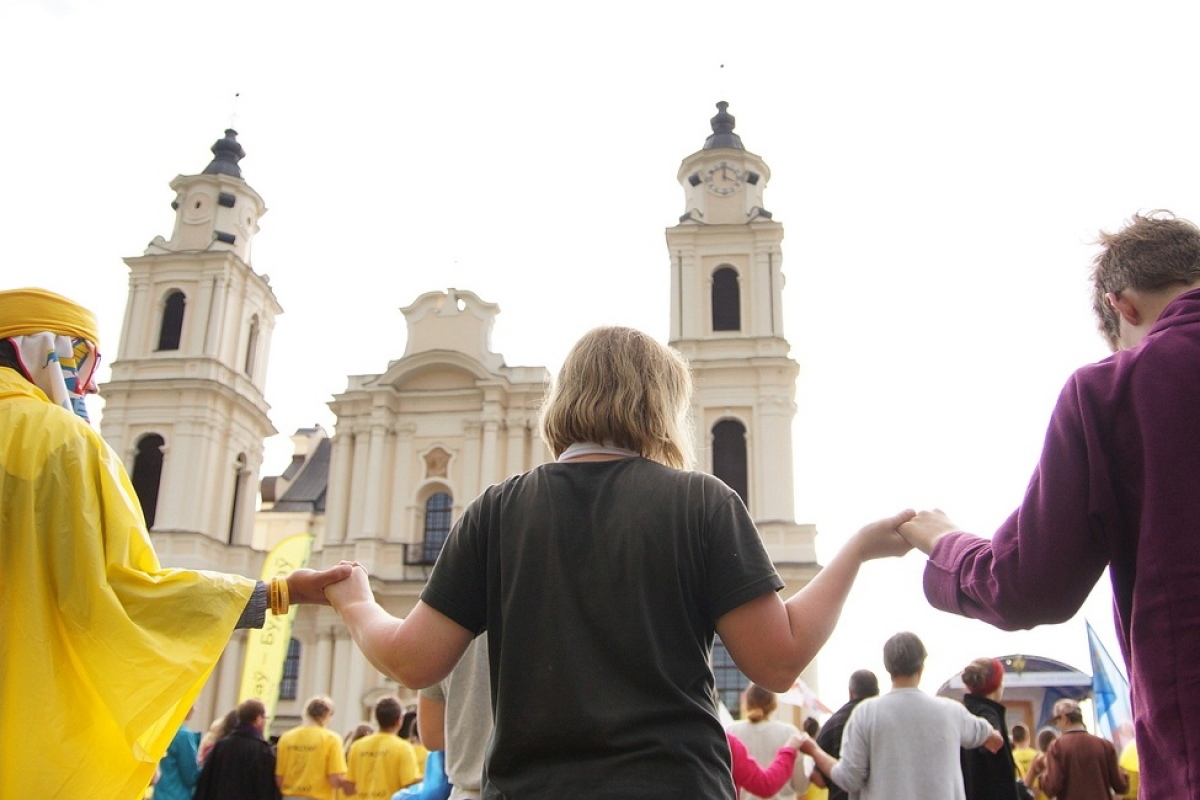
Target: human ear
(1124,306)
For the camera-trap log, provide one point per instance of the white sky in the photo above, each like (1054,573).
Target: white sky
(941,170)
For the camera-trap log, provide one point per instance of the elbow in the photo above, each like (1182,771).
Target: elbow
(779,676)
(850,780)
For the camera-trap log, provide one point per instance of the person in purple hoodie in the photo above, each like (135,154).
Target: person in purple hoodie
(1117,486)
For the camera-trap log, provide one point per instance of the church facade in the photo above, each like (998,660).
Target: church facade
(413,444)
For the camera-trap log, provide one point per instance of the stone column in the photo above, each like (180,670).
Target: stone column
(401,494)
(337,510)
(373,506)
(471,486)
(358,486)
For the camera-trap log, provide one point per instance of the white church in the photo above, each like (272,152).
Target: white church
(412,445)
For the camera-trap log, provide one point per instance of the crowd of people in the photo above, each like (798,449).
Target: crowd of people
(532,564)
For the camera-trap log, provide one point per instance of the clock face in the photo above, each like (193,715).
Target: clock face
(723,179)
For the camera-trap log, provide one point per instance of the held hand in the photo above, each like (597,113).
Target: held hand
(795,741)
(994,742)
(308,585)
(924,530)
(355,589)
(881,539)
(807,746)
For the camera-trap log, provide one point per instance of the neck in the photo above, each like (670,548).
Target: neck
(906,681)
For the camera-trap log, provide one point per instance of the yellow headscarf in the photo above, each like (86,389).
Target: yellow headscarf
(28,311)
(55,341)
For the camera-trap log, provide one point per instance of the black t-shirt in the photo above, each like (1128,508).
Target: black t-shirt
(599,584)
(829,739)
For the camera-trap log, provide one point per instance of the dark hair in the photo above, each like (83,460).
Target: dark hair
(9,358)
(406,727)
(250,710)
(1046,737)
(1152,252)
(903,654)
(1019,733)
(811,726)
(863,684)
(387,712)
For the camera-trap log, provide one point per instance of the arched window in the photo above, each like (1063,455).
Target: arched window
(251,347)
(437,525)
(147,474)
(172,321)
(726,300)
(729,456)
(730,680)
(290,681)
(240,477)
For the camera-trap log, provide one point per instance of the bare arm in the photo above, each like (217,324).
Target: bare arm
(418,650)
(772,641)
(432,715)
(823,761)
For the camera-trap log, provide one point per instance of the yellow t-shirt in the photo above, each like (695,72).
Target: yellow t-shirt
(381,765)
(1023,757)
(306,757)
(1129,763)
(422,754)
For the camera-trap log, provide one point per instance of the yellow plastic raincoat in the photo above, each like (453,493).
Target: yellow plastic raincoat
(104,650)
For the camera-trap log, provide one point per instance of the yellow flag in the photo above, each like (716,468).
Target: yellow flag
(267,648)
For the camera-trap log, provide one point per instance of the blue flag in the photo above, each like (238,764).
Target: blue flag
(1110,695)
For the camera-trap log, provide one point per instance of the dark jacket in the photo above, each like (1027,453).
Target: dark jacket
(240,767)
(829,739)
(989,776)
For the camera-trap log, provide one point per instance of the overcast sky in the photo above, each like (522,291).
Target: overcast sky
(941,169)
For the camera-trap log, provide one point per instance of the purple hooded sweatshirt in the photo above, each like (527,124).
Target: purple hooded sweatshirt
(1118,485)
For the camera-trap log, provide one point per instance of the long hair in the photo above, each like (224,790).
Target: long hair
(620,387)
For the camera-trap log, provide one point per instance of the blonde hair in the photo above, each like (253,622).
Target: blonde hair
(620,387)
(319,709)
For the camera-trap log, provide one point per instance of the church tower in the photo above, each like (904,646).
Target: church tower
(185,407)
(727,319)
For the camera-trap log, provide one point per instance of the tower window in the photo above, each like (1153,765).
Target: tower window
(251,347)
(240,478)
(437,525)
(726,300)
(729,456)
(172,321)
(147,474)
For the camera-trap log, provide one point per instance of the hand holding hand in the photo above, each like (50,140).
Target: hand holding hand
(308,585)
(924,530)
(881,539)
(795,741)
(355,588)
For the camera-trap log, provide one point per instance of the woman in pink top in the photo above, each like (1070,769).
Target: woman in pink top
(748,775)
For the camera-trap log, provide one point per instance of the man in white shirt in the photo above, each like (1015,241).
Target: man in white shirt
(905,743)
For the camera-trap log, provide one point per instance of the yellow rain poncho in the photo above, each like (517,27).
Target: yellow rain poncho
(104,650)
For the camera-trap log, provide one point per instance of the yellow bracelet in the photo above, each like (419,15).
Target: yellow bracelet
(277,594)
(284,596)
